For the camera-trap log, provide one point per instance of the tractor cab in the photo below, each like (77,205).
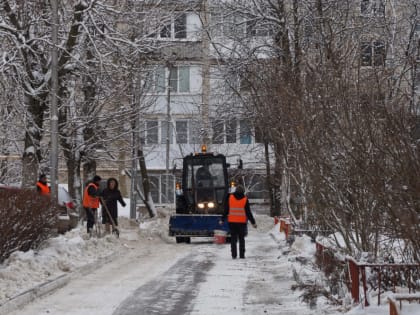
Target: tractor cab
(204,184)
(200,198)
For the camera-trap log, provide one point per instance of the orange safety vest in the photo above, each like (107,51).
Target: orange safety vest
(88,200)
(237,212)
(44,189)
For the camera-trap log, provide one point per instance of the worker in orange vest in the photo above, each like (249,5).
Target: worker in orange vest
(91,201)
(238,212)
(42,186)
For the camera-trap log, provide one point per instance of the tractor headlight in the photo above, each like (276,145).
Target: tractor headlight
(200,205)
(210,204)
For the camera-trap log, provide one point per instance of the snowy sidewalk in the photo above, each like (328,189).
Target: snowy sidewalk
(259,284)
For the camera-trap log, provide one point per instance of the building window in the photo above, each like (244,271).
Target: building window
(181,131)
(176,28)
(167,188)
(154,80)
(184,79)
(245,134)
(180,26)
(149,132)
(225,131)
(218,136)
(226,25)
(258,28)
(162,188)
(195,132)
(373,53)
(231,126)
(164,132)
(257,187)
(232,82)
(259,135)
(154,187)
(159,80)
(179,79)
(165,31)
(372,7)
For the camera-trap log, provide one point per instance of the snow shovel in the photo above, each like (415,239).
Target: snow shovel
(114,226)
(97,226)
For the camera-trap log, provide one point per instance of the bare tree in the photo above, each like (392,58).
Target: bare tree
(325,84)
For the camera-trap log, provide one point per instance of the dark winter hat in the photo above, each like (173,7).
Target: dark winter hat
(42,176)
(97,178)
(240,189)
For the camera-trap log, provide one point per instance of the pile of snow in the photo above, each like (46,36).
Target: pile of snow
(56,256)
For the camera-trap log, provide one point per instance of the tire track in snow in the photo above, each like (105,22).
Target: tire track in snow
(172,292)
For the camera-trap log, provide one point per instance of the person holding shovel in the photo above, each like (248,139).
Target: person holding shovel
(110,195)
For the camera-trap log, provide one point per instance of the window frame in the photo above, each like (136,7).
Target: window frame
(184,133)
(174,29)
(179,79)
(256,28)
(373,53)
(157,187)
(194,132)
(226,25)
(146,133)
(370,8)
(218,134)
(245,130)
(163,131)
(231,130)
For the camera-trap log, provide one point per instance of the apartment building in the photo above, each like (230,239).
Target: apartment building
(193,105)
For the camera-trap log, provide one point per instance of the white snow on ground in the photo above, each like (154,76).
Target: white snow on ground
(148,246)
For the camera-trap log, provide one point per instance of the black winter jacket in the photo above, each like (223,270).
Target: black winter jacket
(238,196)
(111,196)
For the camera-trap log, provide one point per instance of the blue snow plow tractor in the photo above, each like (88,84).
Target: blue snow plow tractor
(199,202)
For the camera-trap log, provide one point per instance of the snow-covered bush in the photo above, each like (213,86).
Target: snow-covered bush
(27,218)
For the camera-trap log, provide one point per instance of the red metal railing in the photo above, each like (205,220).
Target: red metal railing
(358,273)
(395,298)
(393,309)
(285,226)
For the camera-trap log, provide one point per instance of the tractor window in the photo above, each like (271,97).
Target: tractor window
(205,179)
(211,175)
(216,170)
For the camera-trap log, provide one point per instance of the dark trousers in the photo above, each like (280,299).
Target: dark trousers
(237,232)
(90,218)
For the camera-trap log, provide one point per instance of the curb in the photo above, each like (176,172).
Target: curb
(51,285)
(28,296)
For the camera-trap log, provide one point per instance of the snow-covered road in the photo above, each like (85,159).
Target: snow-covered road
(102,290)
(167,278)
(208,281)
(146,272)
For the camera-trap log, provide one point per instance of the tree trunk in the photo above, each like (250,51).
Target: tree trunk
(269,181)
(146,185)
(89,170)
(73,181)
(32,154)
(29,170)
